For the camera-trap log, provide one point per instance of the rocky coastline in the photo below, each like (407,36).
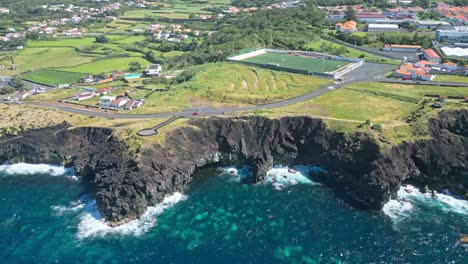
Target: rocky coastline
(361,173)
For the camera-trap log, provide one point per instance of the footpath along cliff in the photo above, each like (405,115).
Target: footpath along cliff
(361,173)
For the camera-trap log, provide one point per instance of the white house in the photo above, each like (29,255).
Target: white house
(88,79)
(132,104)
(83,95)
(105,101)
(153,70)
(118,103)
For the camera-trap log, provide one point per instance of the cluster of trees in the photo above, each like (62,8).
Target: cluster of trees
(383,38)
(16,84)
(102,39)
(251,3)
(291,28)
(12,43)
(332,49)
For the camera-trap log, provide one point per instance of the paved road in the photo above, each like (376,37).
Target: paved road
(366,72)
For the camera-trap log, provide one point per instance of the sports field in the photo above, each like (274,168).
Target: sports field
(51,77)
(298,62)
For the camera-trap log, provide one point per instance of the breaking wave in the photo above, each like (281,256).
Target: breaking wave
(37,169)
(411,198)
(280,177)
(92,224)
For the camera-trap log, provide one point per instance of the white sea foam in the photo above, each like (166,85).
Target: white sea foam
(92,225)
(238,173)
(410,197)
(282,177)
(73,207)
(34,169)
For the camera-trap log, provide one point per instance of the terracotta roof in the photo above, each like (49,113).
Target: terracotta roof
(425,62)
(431,53)
(404,46)
(450,63)
(117,101)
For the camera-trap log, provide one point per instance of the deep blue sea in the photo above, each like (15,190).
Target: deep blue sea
(46,216)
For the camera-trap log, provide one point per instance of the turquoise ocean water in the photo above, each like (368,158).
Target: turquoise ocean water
(47,217)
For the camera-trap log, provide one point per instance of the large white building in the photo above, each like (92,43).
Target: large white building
(382,27)
(454,35)
(455,52)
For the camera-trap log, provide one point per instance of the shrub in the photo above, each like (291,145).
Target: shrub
(377,127)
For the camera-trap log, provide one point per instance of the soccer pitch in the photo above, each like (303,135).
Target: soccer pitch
(298,62)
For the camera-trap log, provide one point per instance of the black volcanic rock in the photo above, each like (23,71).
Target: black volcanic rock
(125,185)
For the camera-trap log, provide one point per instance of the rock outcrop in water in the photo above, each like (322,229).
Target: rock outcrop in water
(125,185)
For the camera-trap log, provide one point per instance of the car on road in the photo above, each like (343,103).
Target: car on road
(338,79)
(195,113)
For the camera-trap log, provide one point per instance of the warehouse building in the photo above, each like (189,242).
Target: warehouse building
(455,52)
(453,35)
(370,17)
(382,28)
(433,24)
(431,55)
(402,48)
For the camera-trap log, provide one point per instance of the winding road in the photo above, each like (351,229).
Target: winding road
(366,73)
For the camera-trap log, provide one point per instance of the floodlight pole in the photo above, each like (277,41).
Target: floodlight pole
(323,64)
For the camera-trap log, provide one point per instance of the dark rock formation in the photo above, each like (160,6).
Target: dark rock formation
(364,176)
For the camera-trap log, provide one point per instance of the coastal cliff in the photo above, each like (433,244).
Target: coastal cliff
(360,172)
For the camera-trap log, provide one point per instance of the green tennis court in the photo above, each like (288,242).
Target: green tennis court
(298,62)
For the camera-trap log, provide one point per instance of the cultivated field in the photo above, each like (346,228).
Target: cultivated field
(106,65)
(31,59)
(298,62)
(52,77)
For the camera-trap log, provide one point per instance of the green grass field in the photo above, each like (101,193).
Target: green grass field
(298,62)
(64,42)
(233,85)
(54,95)
(450,78)
(107,65)
(379,102)
(31,59)
(52,77)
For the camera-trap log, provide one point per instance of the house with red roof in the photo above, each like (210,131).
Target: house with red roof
(118,103)
(413,72)
(431,55)
(348,26)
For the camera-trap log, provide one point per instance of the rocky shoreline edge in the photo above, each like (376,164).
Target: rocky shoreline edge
(360,172)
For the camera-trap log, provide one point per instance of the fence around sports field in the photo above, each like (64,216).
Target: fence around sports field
(353,63)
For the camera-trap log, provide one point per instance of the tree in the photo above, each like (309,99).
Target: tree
(6,89)
(102,39)
(350,14)
(134,66)
(17,83)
